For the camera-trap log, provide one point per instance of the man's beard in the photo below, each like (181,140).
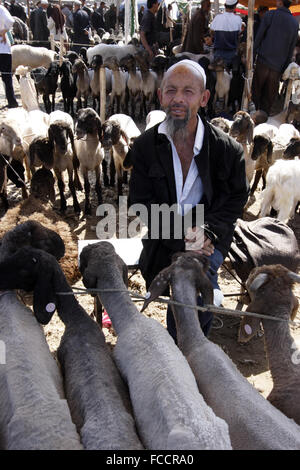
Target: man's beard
(177,127)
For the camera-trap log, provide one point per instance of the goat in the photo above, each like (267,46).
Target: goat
(89,150)
(46,83)
(119,80)
(134,83)
(223,82)
(242,130)
(67,86)
(149,81)
(82,82)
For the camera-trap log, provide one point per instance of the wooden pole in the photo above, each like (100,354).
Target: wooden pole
(216,7)
(249,60)
(52,42)
(61,51)
(102,79)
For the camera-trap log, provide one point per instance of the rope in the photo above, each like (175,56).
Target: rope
(18,176)
(210,308)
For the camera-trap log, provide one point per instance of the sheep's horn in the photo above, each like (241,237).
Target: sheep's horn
(259,280)
(295,277)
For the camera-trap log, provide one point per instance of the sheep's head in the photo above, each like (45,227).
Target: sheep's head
(221,124)
(101,260)
(143,59)
(88,122)
(159,63)
(218,65)
(79,66)
(53,70)
(42,185)
(65,68)
(262,144)
(72,56)
(9,133)
(41,148)
(242,127)
(293,149)
(128,62)
(293,113)
(268,286)
(58,135)
(188,266)
(34,270)
(96,62)
(111,63)
(111,133)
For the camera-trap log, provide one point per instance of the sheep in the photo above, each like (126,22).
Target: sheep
(222,123)
(223,82)
(95,81)
(89,150)
(119,133)
(82,82)
(292,150)
(293,115)
(134,83)
(31,56)
(118,85)
(157,374)
(98,399)
(61,138)
(149,81)
(282,189)
(34,209)
(154,117)
(270,290)
(46,83)
(253,422)
(285,133)
(36,127)
(108,50)
(34,414)
(67,86)
(262,152)
(242,130)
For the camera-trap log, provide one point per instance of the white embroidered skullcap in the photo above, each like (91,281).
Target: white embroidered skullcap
(192,65)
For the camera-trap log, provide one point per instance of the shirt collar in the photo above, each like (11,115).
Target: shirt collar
(162,129)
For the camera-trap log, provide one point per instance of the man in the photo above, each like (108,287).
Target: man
(197,28)
(147,30)
(185,160)
(17,10)
(111,17)
(274,44)
(261,11)
(6,22)
(97,19)
(81,26)
(40,29)
(85,8)
(226,27)
(67,10)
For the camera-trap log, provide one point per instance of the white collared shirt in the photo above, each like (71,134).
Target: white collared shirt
(191,192)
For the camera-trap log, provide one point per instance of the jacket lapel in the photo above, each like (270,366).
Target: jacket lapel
(164,154)
(203,164)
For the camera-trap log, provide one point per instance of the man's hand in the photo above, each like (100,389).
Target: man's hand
(195,240)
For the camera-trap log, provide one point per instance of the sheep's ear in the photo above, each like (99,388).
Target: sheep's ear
(249,326)
(99,128)
(51,136)
(157,286)
(270,151)
(250,132)
(44,297)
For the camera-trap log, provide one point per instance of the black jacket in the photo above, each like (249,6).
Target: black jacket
(221,167)
(276,38)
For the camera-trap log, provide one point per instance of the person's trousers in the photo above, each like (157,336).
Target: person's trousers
(205,318)
(265,86)
(6,75)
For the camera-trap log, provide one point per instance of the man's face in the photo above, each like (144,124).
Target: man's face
(206,5)
(155,7)
(182,95)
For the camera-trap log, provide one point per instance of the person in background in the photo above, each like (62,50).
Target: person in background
(197,28)
(111,17)
(86,8)
(97,20)
(226,27)
(6,22)
(258,18)
(56,22)
(17,10)
(67,11)
(147,29)
(274,45)
(187,162)
(40,29)
(169,21)
(81,27)
(140,14)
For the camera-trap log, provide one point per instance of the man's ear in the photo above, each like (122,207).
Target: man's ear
(204,98)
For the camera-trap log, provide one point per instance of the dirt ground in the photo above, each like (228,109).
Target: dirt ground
(249,358)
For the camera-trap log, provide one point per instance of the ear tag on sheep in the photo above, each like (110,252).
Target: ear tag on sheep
(147,295)
(50,307)
(34,260)
(248,329)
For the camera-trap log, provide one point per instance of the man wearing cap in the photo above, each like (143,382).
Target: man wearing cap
(197,28)
(40,29)
(6,22)
(274,45)
(81,26)
(188,162)
(226,27)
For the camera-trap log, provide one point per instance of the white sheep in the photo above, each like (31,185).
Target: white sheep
(154,117)
(282,189)
(31,56)
(108,50)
